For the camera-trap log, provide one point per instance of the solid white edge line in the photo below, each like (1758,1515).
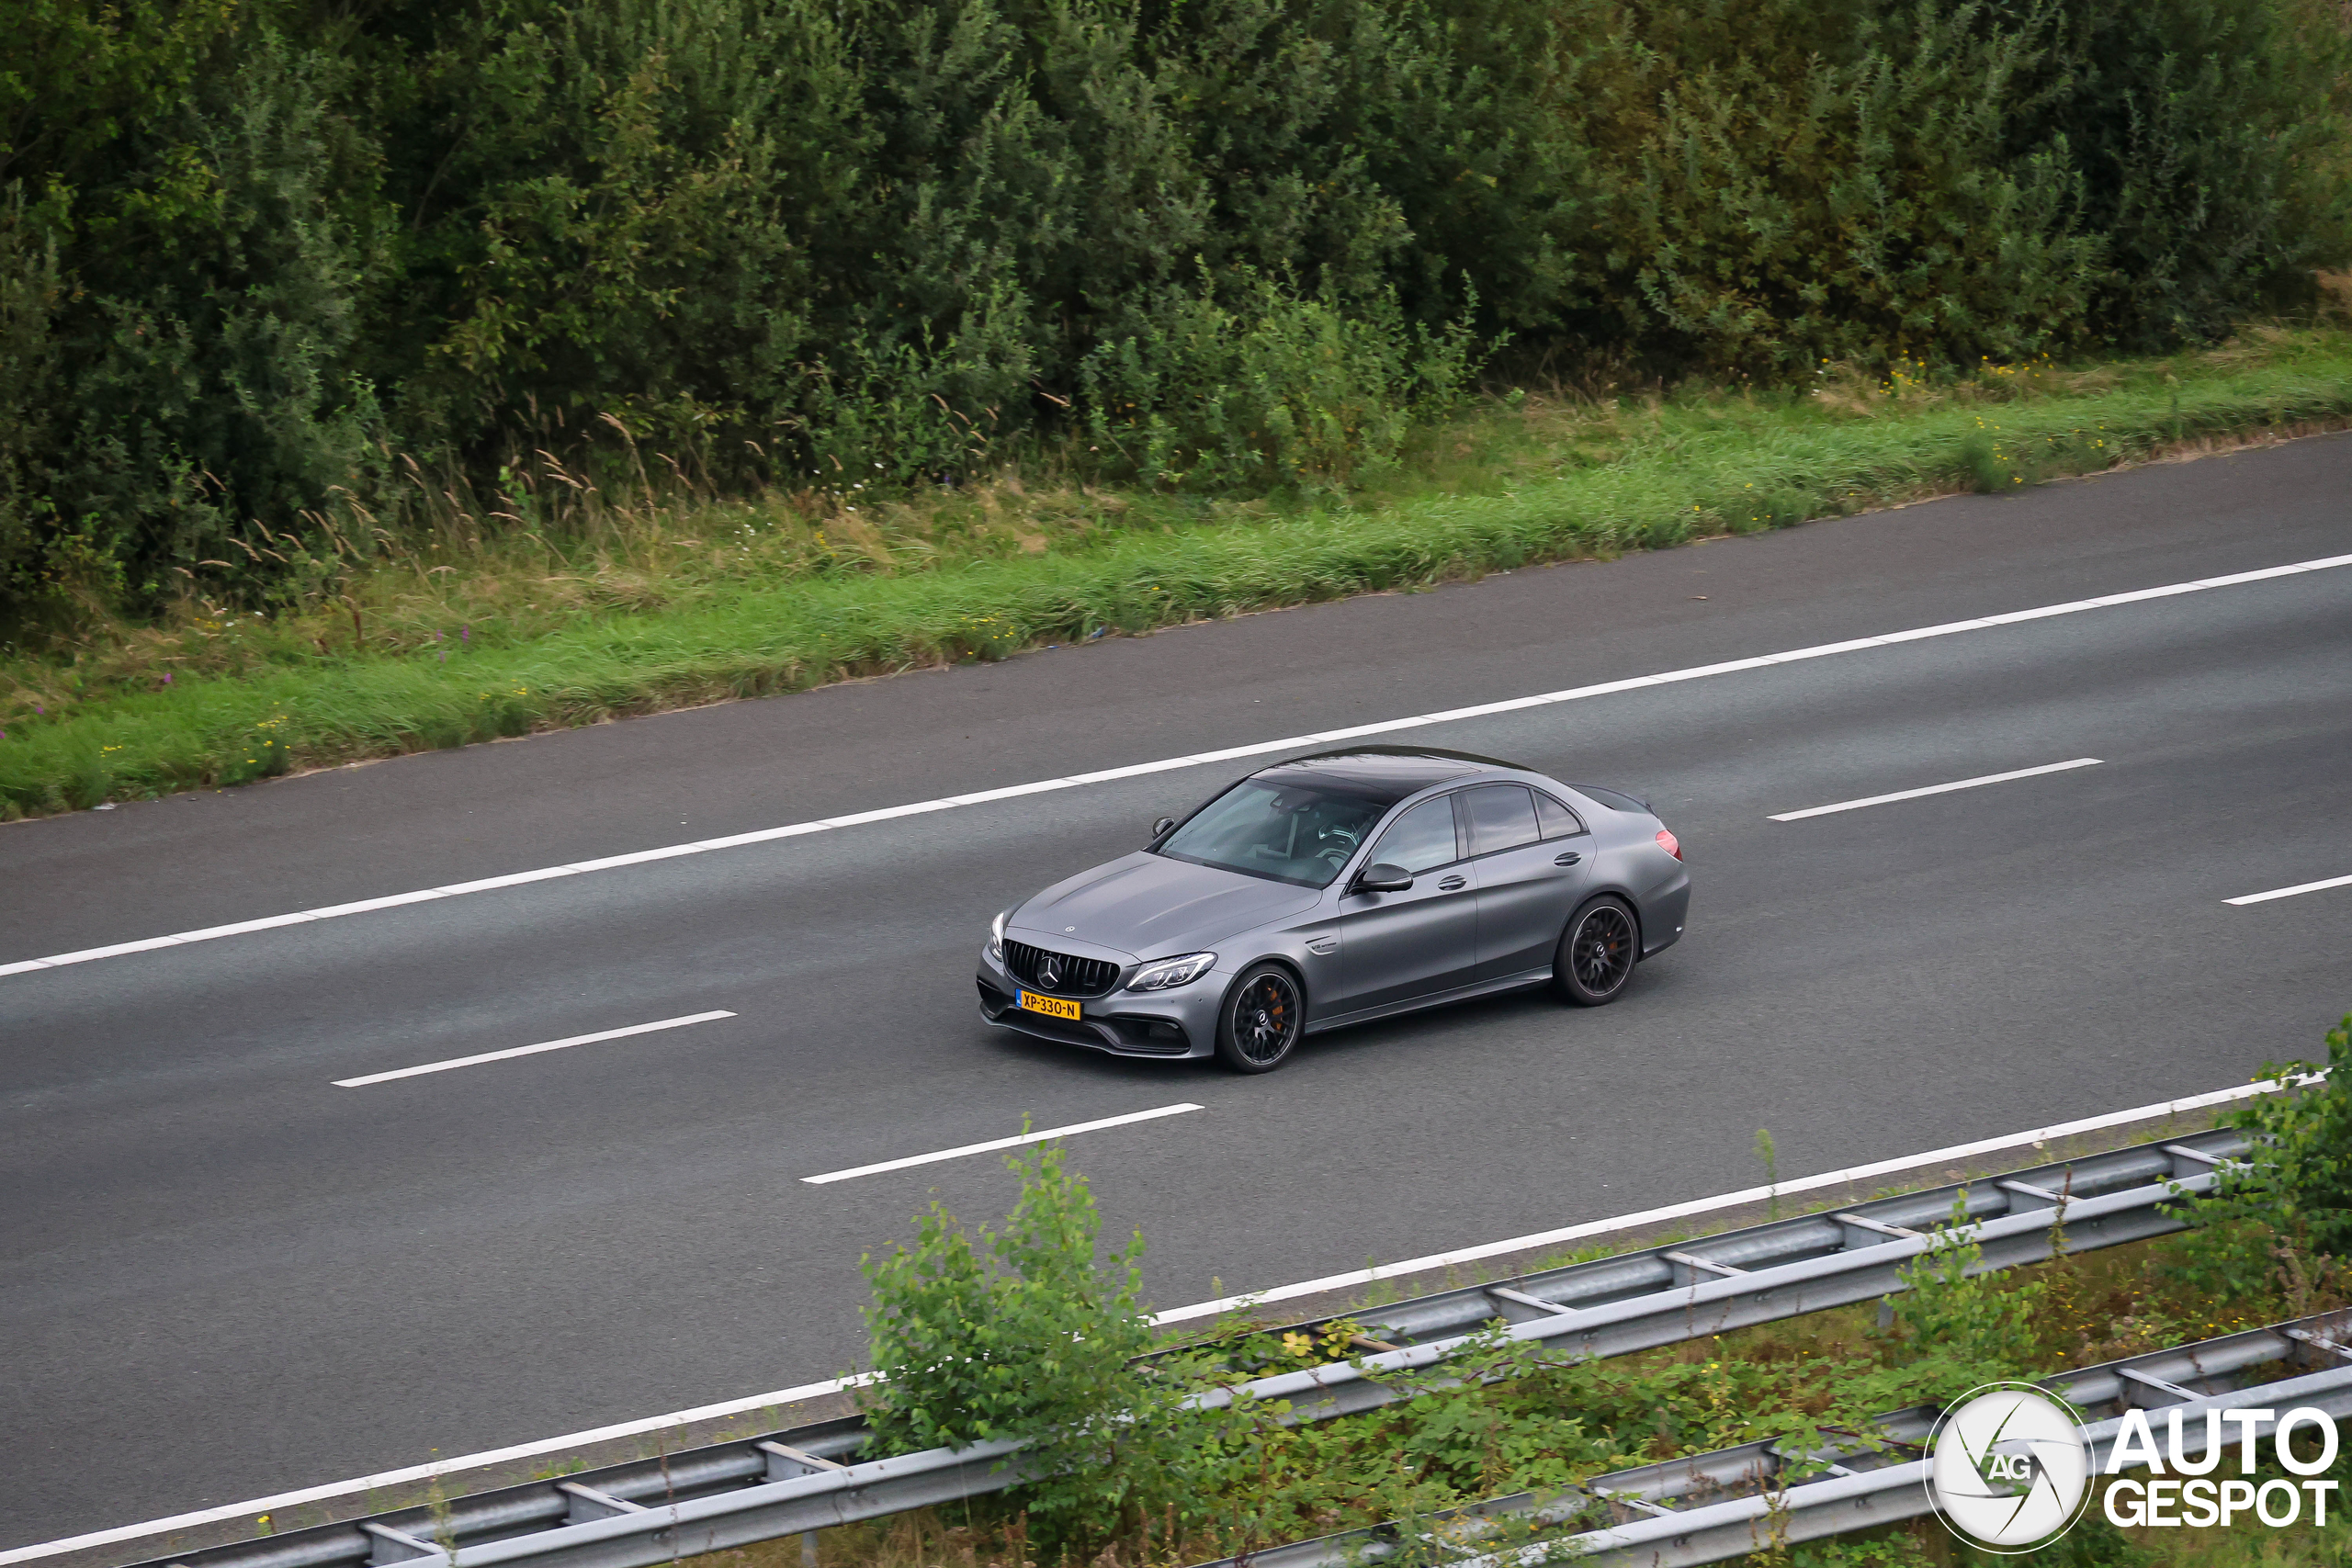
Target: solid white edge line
(529,1050)
(2290,892)
(366,906)
(994,1143)
(784,1396)
(1935,789)
(1722,1200)
(1451,716)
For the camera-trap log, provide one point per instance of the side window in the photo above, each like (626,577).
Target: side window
(1502,817)
(1559,822)
(1420,841)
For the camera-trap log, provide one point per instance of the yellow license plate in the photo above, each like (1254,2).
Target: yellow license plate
(1052,1007)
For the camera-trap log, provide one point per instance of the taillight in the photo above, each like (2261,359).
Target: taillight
(1669,843)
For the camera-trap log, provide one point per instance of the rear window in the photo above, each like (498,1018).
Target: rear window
(1559,822)
(1615,802)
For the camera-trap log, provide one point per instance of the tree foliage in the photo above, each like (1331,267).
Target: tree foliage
(256,254)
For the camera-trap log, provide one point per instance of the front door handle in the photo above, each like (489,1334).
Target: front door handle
(1569,858)
(1453,884)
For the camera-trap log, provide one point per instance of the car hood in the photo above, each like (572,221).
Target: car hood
(1148,906)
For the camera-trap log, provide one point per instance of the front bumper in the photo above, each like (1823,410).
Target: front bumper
(1181,1022)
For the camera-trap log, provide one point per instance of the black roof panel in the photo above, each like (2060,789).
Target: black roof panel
(1386,773)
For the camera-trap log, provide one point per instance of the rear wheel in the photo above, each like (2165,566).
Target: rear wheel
(1597,953)
(1262,1019)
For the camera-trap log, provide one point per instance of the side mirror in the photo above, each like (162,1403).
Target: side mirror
(1384,878)
(1159,829)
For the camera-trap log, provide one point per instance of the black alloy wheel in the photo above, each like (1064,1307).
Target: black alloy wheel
(1597,953)
(1262,1020)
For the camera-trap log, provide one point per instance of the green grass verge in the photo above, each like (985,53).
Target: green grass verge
(1754,463)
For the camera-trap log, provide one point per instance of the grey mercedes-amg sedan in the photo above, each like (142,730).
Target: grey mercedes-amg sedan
(1334,889)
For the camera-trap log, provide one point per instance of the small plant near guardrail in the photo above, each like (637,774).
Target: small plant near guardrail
(1955,1327)
(436,1505)
(2302,1183)
(1015,1333)
(2277,1224)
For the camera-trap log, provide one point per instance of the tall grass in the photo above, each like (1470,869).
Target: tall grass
(655,601)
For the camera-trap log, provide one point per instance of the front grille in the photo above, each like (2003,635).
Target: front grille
(1076,976)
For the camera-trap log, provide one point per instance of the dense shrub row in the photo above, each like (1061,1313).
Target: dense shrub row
(265,256)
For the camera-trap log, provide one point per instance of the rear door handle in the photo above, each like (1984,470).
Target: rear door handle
(1570,858)
(1453,884)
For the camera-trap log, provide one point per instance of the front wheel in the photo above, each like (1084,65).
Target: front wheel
(1597,953)
(1262,1019)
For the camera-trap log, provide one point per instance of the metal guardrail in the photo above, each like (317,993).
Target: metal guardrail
(1730,1502)
(727,1494)
(1625,1275)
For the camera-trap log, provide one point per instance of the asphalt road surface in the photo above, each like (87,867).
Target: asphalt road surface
(226,1275)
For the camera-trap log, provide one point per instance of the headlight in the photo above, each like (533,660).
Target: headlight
(995,935)
(1170,973)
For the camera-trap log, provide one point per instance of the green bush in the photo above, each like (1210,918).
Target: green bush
(31,547)
(1834,183)
(1015,1335)
(2210,139)
(2298,1178)
(1280,391)
(1956,1328)
(198,368)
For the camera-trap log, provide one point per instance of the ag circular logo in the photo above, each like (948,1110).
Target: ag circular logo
(2007,1469)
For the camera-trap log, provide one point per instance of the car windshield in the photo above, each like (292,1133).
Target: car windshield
(1288,832)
